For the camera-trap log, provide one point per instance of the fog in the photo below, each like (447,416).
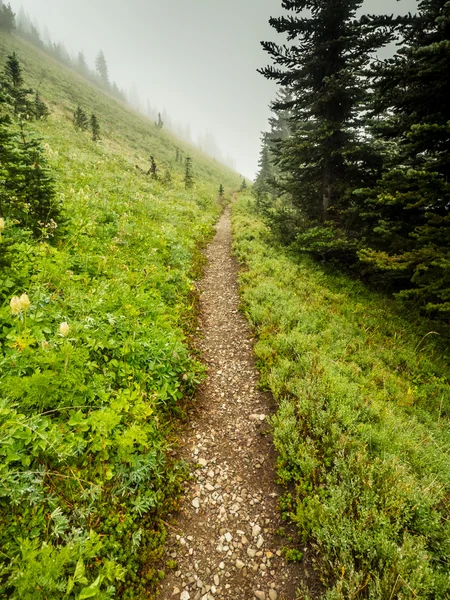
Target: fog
(195,59)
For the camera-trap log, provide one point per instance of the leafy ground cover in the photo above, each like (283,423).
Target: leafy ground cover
(362,427)
(94,360)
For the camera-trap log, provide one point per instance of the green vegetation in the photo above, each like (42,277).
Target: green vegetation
(362,428)
(362,176)
(94,360)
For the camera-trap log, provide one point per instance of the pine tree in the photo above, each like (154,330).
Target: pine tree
(264,178)
(177,155)
(159,123)
(80,119)
(243,185)
(41,110)
(101,67)
(153,171)
(406,216)
(27,191)
(82,64)
(167,177)
(7,18)
(325,158)
(221,191)
(188,176)
(95,128)
(13,84)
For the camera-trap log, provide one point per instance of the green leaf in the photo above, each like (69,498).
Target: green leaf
(92,590)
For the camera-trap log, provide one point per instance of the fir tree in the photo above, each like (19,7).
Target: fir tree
(41,110)
(95,128)
(406,216)
(80,119)
(243,185)
(13,85)
(153,171)
(188,175)
(167,177)
(7,18)
(221,191)
(177,155)
(101,67)
(324,158)
(82,64)
(264,179)
(27,191)
(159,123)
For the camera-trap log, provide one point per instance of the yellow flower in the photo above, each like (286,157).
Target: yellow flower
(16,306)
(2,225)
(24,302)
(64,329)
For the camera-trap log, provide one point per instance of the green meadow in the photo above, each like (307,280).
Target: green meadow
(95,371)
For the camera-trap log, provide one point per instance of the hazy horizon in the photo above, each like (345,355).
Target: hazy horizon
(196,60)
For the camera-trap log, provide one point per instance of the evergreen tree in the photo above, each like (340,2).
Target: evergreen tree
(221,191)
(159,123)
(7,18)
(406,216)
(27,191)
(41,110)
(177,155)
(153,171)
(325,158)
(188,175)
(13,84)
(167,177)
(82,64)
(95,128)
(243,185)
(264,182)
(101,67)
(80,119)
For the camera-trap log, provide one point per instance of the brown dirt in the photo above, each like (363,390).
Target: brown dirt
(224,539)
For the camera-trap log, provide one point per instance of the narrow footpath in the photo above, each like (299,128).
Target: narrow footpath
(225,540)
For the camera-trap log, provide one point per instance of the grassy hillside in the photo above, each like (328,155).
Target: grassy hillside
(93,373)
(124,131)
(363,420)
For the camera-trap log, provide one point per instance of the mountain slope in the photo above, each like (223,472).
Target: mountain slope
(94,372)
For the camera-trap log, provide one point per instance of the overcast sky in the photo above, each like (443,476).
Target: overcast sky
(196,58)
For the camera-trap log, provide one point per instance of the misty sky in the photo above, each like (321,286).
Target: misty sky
(196,58)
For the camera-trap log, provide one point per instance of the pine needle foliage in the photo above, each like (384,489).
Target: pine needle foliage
(324,158)
(188,174)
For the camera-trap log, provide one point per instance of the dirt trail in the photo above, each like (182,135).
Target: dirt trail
(225,543)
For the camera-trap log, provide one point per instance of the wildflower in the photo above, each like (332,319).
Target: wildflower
(24,302)
(2,225)
(16,306)
(64,329)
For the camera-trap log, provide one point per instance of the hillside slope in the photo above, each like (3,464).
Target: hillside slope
(93,373)
(362,428)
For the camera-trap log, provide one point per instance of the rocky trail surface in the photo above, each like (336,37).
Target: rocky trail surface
(224,539)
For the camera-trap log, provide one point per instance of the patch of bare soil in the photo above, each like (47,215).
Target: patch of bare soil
(224,540)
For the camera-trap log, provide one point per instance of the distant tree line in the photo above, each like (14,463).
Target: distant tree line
(23,25)
(356,166)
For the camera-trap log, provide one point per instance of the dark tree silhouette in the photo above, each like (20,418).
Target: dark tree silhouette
(80,119)
(95,128)
(188,175)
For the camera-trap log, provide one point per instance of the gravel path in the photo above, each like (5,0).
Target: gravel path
(225,542)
